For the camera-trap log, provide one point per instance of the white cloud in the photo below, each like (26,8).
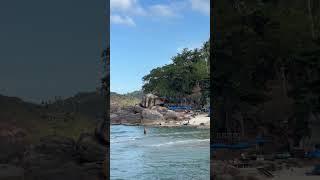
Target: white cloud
(121,4)
(127,6)
(202,6)
(124,20)
(162,10)
(127,10)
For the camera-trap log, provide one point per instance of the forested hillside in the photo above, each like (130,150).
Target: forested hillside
(266,67)
(38,121)
(186,77)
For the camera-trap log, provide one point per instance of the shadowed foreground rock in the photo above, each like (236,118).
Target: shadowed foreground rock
(58,158)
(63,158)
(11,172)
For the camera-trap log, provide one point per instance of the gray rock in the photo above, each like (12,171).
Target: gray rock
(126,119)
(160,109)
(13,142)
(150,100)
(62,158)
(90,150)
(112,115)
(49,153)
(68,171)
(224,177)
(9,150)
(151,116)
(128,109)
(10,172)
(171,115)
(102,132)
(57,146)
(138,109)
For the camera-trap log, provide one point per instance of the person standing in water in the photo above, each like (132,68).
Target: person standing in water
(145,130)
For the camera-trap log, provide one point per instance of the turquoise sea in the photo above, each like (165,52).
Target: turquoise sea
(163,153)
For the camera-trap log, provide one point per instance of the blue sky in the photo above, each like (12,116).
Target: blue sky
(145,34)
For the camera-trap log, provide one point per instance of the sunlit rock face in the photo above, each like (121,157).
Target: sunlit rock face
(151,117)
(150,100)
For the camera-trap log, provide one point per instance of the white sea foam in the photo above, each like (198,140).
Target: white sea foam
(125,140)
(181,142)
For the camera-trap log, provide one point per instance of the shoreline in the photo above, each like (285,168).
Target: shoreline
(199,121)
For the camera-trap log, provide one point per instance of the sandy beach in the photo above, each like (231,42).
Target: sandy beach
(200,119)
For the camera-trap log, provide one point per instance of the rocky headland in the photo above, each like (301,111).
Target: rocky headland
(33,146)
(158,116)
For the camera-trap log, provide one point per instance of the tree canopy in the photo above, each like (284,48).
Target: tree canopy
(188,72)
(260,46)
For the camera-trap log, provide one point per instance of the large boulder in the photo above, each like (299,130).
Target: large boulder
(114,108)
(49,153)
(137,109)
(114,119)
(13,141)
(130,118)
(67,170)
(151,116)
(11,151)
(171,115)
(56,146)
(46,158)
(150,100)
(160,109)
(11,172)
(102,132)
(127,109)
(224,171)
(56,157)
(90,150)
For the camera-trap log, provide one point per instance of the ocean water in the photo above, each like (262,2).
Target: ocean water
(163,153)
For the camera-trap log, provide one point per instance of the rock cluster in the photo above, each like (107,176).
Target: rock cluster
(138,115)
(57,157)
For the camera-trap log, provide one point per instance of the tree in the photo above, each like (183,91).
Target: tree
(189,69)
(253,48)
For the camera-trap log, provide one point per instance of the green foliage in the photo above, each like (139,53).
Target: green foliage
(37,120)
(257,42)
(129,99)
(188,69)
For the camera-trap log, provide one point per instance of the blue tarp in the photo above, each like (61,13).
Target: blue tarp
(260,140)
(179,108)
(313,154)
(230,146)
(240,145)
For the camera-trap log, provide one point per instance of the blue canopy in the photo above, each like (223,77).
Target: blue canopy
(313,154)
(242,145)
(179,107)
(260,139)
